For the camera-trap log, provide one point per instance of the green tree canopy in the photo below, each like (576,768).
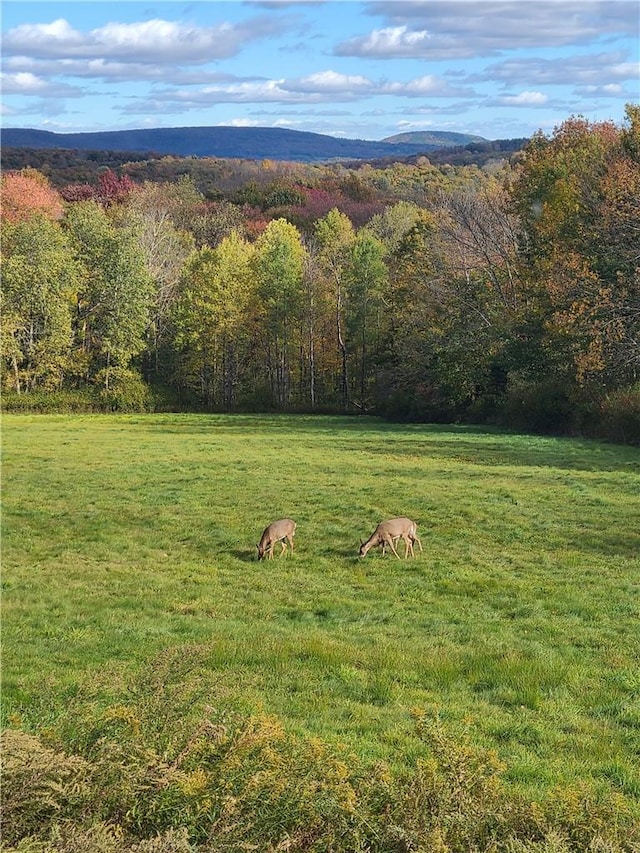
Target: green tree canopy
(114,300)
(39,282)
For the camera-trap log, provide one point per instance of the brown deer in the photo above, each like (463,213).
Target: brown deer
(281,531)
(388,533)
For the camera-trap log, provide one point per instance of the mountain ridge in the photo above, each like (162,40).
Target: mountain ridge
(235,142)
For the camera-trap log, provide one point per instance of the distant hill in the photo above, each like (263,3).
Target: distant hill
(255,143)
(433,138)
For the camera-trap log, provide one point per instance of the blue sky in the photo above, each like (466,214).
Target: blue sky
(368,70)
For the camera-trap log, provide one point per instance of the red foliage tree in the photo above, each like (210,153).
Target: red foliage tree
(112,189)
(78,192)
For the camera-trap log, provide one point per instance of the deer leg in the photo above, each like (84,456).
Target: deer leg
(415,539)
(284,546)
(393,548)
(290,538)
(408,547)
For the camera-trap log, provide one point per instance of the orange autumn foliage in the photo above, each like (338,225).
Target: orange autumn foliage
(26,193)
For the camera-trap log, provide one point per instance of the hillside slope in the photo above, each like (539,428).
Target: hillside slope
(433,138)
(227,142)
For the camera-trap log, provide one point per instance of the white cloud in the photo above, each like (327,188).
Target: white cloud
(159,41)
(320,87)
(486,26)
(330,81)
(23,82)
(611,90)
(243,122)
(249,92)
(26,83)
(524,99)
(456,108)
(116,71)
(596,69)
(427,86)
(402,43)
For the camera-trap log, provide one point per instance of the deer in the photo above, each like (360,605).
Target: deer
(281,531)
(388,533)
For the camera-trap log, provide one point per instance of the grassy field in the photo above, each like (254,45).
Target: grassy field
(129,559)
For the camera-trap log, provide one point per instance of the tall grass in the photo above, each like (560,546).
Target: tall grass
(130,581)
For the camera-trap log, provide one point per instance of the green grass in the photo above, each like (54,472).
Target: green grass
(129,567)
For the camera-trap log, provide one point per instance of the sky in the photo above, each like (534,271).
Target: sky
(501,69)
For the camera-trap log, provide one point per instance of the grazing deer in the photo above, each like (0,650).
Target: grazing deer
(388,533)
(281,531)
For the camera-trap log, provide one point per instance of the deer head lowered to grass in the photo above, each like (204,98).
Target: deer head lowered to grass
(388,533)
(281,531)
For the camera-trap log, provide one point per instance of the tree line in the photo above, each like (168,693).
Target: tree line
(64,166)
(507,295)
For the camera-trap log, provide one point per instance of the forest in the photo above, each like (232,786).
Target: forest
(506,293)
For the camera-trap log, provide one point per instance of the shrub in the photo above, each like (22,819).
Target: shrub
(454,800)
(53,402)
(123,390)
(103,838)
(38,785)
(234,783)
(424,404)
(620,412)
(537,407)
(231,781)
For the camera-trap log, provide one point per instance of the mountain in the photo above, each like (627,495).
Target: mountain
(434,138)
(251,143)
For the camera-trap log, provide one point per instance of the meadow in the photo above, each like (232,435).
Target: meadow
(130,582)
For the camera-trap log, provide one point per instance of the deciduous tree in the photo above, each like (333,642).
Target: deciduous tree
(114,300)
(278,264)
(39,280)
(211,319)
(577,197)
(154,210)
(335,237)
(26,193)
(367,277)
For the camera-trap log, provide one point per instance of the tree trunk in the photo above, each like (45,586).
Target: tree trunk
(16,373)
(342,347)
